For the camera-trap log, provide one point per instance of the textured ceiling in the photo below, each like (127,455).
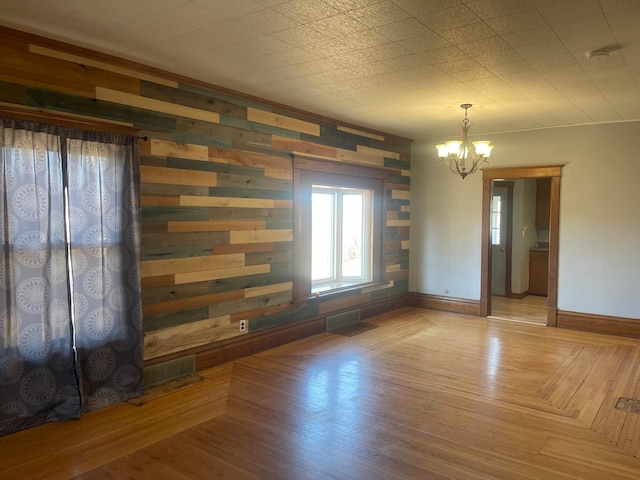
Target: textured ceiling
(400,66)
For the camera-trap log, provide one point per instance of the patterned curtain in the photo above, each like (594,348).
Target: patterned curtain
(105,250)
(70,314)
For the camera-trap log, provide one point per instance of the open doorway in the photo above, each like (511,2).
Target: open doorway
(501,237)
(488,247)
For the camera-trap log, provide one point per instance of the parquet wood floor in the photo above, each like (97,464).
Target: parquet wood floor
(530,309)
(426,395)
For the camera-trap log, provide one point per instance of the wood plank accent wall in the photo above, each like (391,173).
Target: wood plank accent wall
(216,186)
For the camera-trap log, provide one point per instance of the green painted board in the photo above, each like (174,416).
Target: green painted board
(151,323)
(155,214)
(253,182)
(191,99)
(250,193)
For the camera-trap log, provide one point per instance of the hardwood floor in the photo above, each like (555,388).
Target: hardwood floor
(530,309)
(426,395)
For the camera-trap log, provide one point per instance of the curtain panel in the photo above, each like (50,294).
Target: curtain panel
(70,311)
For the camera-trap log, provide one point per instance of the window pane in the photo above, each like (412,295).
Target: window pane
(496,207)
(322,228)
(352,233)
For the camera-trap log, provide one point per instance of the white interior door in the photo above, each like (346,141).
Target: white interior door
(498,240)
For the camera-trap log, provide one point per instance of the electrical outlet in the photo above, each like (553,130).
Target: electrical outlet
(242,326)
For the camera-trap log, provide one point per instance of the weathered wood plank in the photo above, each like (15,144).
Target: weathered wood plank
(267,290)
(361,158)
(216,226)
(182,337)
(397,186)
(122,98)
(156,253)
(191,302)
(90,62)
(402,165)
(165,293)
(221,273)
(153,282)
(167,239)
(378,152)
(79,105)
(397,223)
(152,268)
(212,166)
(305,148)
(13,94)
(163,214)
(200,201)
(180,150)
(283,121)
(249,159)
(173,94)
(227,134)
(251,303)
(164,189)
(244,248)
(253,182)
(177,176)
(271,257)
(165,320)
(259,312)
(17,64)
(261,236)
(362,133)
(401,194)
(250,193)
(396,275)
(160,200)
(290,316)
(266,214)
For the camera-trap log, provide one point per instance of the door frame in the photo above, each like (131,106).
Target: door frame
(512,173)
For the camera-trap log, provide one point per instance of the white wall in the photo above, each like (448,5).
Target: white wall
(599,250)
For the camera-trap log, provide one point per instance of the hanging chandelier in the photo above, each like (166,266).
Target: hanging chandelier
(461,157)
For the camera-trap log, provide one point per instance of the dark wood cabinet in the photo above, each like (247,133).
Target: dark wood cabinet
(543,202)
(538,272)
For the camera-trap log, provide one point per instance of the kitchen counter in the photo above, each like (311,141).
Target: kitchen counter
(540,247)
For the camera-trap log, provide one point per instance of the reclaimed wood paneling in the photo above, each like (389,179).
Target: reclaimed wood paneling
(216,189)
(137,101)
(88,62)
(361,132)
(163,148)
(177,176)
(172,339)
(200,276)
(19,64)
(261,236)
(153,268)
(276,120)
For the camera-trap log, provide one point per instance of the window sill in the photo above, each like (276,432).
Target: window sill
(336,291)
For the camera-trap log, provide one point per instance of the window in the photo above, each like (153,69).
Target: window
(496,211)
(338,225)
(340,237)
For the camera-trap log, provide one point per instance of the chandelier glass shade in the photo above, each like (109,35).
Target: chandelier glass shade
(463,157)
